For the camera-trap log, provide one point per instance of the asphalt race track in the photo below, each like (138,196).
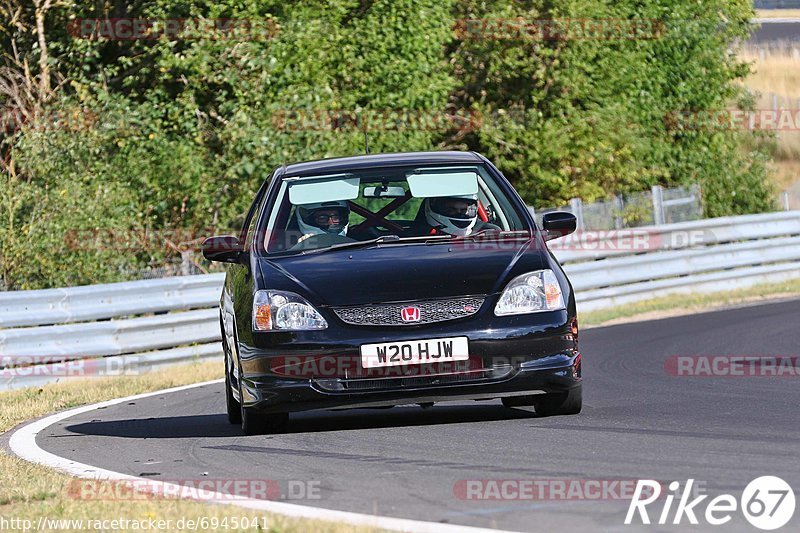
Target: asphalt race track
(638,422)
(776,31)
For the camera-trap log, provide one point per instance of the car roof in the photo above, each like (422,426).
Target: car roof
(378,160)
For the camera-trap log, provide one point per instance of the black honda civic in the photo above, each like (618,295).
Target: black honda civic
(394,279)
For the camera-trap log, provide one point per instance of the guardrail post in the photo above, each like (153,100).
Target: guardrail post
(658,205)
(619,205)
(777,115)
(576,206)
(187,264)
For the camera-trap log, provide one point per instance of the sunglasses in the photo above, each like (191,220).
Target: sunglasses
(322,219)
(461,209)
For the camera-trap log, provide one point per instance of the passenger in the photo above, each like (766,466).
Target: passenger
(450,215)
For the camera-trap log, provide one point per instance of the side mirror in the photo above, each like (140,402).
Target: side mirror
(225,249)
(558,224)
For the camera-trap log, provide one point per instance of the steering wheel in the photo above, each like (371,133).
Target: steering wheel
(322,240)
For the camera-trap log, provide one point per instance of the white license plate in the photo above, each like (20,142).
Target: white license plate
(414,352)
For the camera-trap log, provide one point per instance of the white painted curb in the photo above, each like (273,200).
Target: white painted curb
(23,444)
(778,20)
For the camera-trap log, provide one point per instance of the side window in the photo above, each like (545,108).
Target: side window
(498,206)
(278,227)
(251,227)
(250,220)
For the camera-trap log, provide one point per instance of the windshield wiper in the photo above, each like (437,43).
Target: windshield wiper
(361,244)
(499,233)
(391,238)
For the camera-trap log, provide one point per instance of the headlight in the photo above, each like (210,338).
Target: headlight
(281,310)
(531,293)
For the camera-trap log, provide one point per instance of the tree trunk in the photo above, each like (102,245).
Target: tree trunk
(44,57)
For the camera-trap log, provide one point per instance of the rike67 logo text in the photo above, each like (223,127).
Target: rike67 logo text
(767,502)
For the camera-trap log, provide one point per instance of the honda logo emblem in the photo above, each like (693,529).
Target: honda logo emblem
(410,314)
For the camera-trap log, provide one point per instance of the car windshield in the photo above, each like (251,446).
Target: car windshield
(387,205)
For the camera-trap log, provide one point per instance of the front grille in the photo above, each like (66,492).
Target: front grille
(424,381)
(465,372)
(430,311)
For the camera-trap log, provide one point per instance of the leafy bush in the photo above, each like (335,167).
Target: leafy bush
(166,134)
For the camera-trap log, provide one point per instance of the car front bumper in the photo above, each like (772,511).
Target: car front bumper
(516,356)
(282,395)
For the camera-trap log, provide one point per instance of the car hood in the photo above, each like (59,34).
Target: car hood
(400,272)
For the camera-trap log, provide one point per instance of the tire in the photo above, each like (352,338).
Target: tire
(254,423)
(553,404)
(232,406)
(565,403)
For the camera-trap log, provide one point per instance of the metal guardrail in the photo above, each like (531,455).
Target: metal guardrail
(113,337)
(657,206)
(133,326)
(117,365)
(725,253)
(96,302)
(110,329)
(595,245)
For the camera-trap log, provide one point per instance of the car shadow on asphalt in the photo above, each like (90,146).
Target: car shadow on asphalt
(216,425)
(405,416)
(191,426)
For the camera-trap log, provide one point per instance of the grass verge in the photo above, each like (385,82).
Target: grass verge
(29,491)
(778,74)
(777,13)
(686,304)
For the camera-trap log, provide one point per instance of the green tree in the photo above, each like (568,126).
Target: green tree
(175,133)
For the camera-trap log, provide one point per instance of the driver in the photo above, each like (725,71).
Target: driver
(451,215)
(325,218)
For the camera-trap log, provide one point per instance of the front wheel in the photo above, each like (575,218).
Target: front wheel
(552,404)
(233,407)
(563,403)
(255,423)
